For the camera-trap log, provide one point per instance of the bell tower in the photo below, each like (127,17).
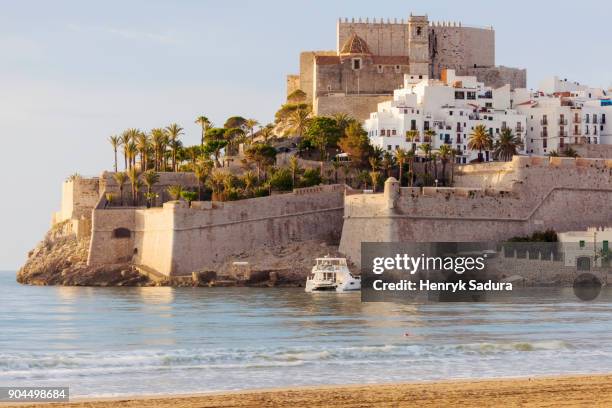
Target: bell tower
(418,44)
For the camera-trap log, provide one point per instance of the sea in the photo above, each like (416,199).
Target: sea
(103,342)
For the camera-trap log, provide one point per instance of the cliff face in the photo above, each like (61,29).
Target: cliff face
(61,259)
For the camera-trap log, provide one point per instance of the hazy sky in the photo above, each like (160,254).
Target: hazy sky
(73,72)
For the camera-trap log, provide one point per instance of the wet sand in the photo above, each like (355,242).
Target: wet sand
(566,391)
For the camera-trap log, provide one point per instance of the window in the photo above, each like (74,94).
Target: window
(397,69)
(426,125)
(380,69)
(393,132)
(120,233)
(471,95)
(388,147)
(419,31)
(356,63)
(459,95)
(413,124)
(582,243)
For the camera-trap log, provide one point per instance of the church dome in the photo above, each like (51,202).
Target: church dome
(355,45)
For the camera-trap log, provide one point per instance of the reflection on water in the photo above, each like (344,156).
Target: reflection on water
(147,340)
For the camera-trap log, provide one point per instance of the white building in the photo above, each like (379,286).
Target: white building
(451,107)
(562,113)
(585,248)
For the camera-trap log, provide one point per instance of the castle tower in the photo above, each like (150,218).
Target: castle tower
(418,44)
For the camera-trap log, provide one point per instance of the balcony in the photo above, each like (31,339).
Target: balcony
(577,119)
(543,134)
(576,132)
(544,122)
(563,133)
(519,129)
(562,122)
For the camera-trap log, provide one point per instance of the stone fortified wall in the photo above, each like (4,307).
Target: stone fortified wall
(359,106)
(529,194)
(176,240)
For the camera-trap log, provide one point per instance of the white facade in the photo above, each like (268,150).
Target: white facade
(563,113)
(592,244)
(452,108)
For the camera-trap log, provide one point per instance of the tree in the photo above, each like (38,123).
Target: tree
(159,141)
(262,155)
(410,158)
(336,165)
(294,166)
(234,136)
(553,153)
(174,133)
(426,149)
(342,120)
(133,175)
(120,178)
(297,96)
(235,122)
(126,138)
(131,151)
(205,124)
(214,134)
(150,178)
(298,121)
(387,163)
(214,147)
(202,172)
(281,180)
(356,144)
(480,140)
(215,181)
(569,152)
(175,191)
(322,132)
(400,157)
(249,179)
(507,145)
(445,153)
(189,196)
(412,136)
(311,177)
(115,142)
(267,132)
(375,177)
(142,144)
(250,125)
(429,135)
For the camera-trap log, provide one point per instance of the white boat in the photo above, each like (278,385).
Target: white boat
(332,274)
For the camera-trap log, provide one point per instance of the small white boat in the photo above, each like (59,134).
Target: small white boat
(332,274)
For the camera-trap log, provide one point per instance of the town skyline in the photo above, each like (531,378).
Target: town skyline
(77,75)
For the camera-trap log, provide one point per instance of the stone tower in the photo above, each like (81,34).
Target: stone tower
(418,44)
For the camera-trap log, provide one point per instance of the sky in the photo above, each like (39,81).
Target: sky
(72,73)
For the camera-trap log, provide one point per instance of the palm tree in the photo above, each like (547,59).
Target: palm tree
(387,163)
(174,133)
(375,177)
(342,121)
(133,175)
(507,145)
(267,132)
(569,152)
(445,153)
(250,124)
(410,158)
(201,172)
(454,154)
(150,178)
(298,121)
(120,179)
(126,138)
(553,153)
(115,142)
(429,135)
(131,151)
(205,124)
(426,149)
(158,142)
(249,179)
(411,136)
(294,166)
(480,140)
(400,157)
(175,191)
(142,144)
(374,162)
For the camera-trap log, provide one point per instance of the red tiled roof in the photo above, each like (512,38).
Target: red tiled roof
(327,59)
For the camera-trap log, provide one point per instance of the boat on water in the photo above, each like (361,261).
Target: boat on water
(332,274)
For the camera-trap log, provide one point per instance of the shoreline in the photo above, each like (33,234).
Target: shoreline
(568,390)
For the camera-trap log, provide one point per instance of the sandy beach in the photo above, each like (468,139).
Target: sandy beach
(567,391)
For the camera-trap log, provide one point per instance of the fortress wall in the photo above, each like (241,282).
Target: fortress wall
(176,240)
(293,83)
(383,38)
(559,193)
(459,48)
(498,175)
(593,150)
(306,83)
(103,247)
(497,77)
(357,106)
(79,197)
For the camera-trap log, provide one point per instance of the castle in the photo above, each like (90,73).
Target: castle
(491,201)
(371,58)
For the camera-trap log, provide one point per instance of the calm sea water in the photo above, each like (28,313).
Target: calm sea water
(114,341)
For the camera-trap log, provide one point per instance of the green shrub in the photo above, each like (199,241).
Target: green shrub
(281,180)
(311,177)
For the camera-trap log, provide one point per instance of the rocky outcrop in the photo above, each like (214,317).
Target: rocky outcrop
(61,259)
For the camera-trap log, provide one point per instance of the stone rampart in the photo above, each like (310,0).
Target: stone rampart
(558,193)
(176,240)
